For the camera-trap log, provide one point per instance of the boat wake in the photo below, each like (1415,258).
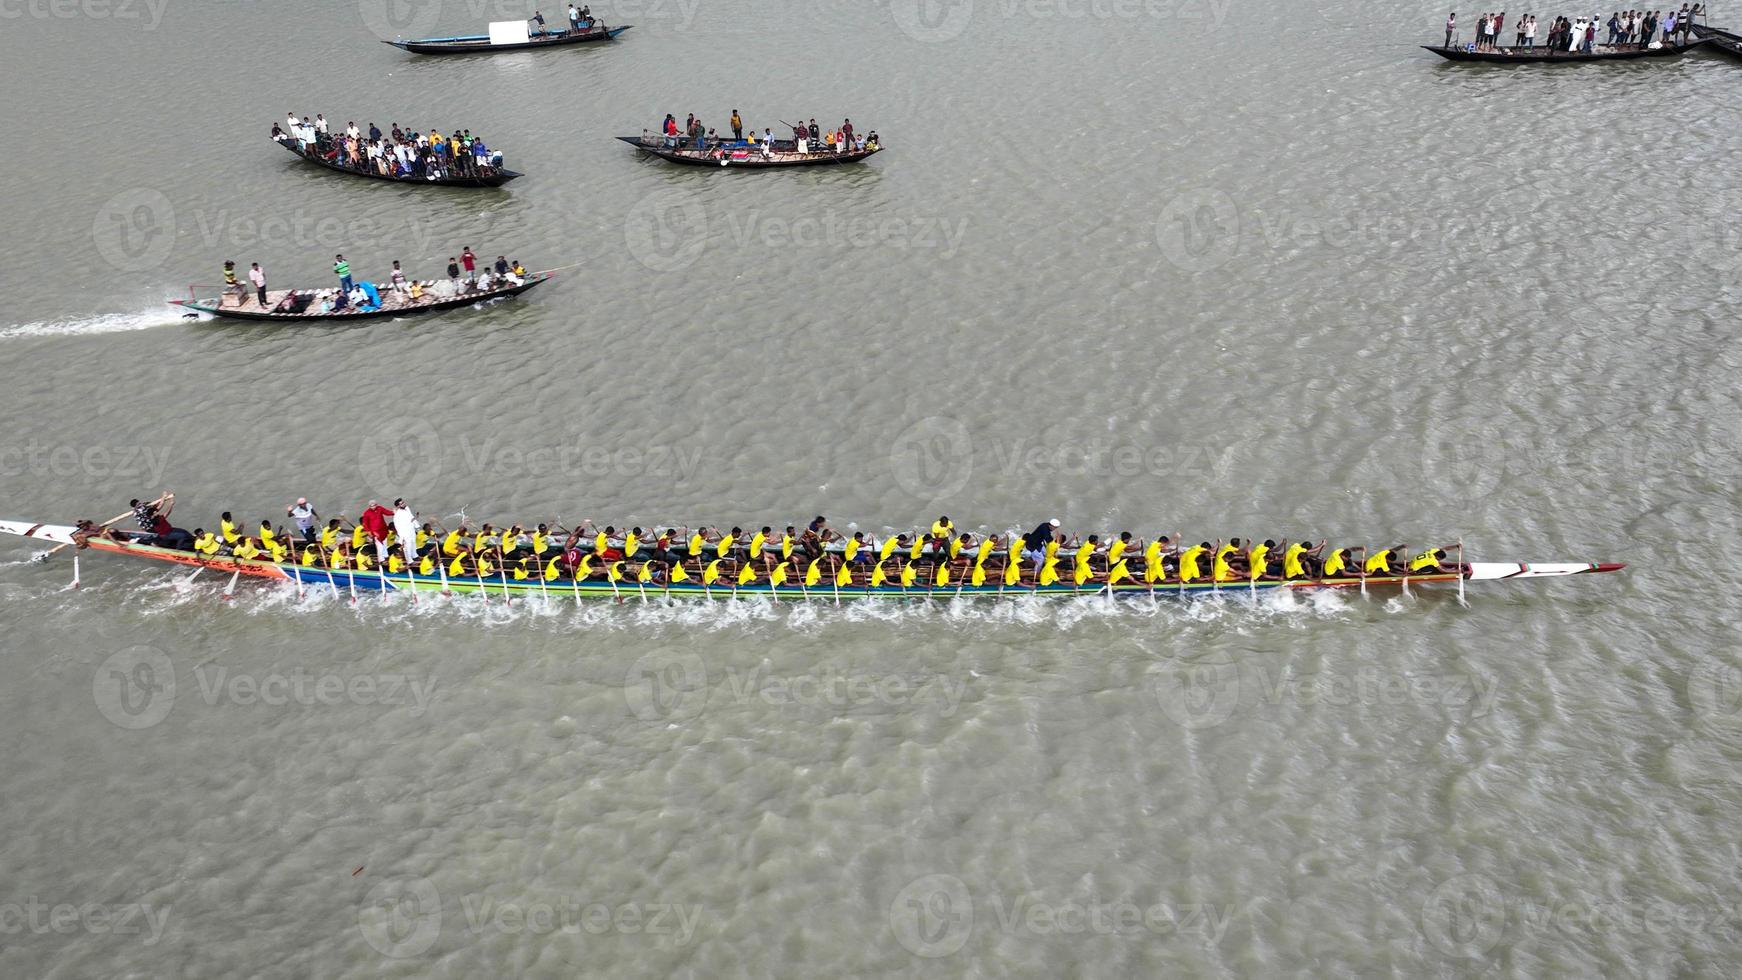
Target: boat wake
(99,324)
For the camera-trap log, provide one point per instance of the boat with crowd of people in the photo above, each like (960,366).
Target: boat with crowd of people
(364,300)
(1558,56)
(398,155)
(393,550)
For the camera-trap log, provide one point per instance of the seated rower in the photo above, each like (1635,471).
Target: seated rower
(1379,563)
(1337,564)
(1428,562)
(1258,560)
(1223,569)
(1298,559)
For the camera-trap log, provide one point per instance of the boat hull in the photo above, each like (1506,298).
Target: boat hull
(496,179)
(212,306)
(504,585)
(1545,56)
(1721,40)
(714,158)
(482,45)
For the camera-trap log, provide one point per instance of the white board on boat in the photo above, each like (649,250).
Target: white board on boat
(508,32)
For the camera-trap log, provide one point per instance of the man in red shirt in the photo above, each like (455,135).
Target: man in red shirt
(470,261)
(375,520)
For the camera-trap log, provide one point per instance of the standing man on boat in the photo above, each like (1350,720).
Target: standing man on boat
(342,269)
(1034,542)
(374,521)
(303,514)
(737,127)
(258,278)
(470,261)
(1451,27)
(405,525)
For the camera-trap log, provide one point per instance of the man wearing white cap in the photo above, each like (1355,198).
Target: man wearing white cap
(1034,542)
(307,521)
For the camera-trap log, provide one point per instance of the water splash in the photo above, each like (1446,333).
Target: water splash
(99,324)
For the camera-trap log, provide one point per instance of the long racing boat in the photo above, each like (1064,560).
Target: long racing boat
(984,572)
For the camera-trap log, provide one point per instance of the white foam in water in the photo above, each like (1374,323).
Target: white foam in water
(100,324)
(563,614)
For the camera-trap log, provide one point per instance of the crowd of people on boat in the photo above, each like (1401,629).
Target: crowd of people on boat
(396,539)
(806,138)
(405,154)
(1579,34)
(465,274)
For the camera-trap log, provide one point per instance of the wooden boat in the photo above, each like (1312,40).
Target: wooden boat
(476,43)
(967,576)
(1722,40)
(1544,56)
(495,178)
(301,307)
(737,154)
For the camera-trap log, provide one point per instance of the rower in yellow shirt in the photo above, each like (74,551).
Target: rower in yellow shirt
(942,527)
(1337,563)
(1292,566)
(698,541)
(227,530)
(247,550)
(757,542)
(1116,550)
(889,545)
(1221,571)
(1258,560)
(330,536)
(1379,563)
(850,548)
(451,544)
(1188,562)
(1428,562)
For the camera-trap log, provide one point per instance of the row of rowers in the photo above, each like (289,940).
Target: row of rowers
(940,553)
